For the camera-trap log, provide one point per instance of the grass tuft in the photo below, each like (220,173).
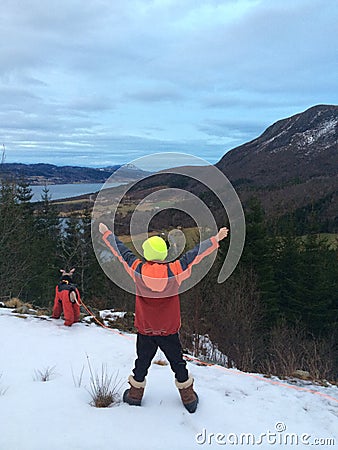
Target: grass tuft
(44,374)
(103,387)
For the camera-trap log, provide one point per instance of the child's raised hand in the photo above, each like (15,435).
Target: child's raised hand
(223,233)
(103,228)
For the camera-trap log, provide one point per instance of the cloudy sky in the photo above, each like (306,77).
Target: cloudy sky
(101,82)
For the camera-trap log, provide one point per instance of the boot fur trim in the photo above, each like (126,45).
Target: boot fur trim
(185,384)
(136,384)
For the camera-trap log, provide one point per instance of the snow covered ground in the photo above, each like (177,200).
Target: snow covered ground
(234,406)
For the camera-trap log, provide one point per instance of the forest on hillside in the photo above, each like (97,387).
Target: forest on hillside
(277,313)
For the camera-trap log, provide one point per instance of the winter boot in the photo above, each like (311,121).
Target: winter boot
(133,395)
(188,395)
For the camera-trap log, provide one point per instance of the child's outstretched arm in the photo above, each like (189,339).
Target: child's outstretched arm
(223,233)
(118,249)
(181,268)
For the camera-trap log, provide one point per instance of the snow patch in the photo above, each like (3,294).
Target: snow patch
(310,136)
(112,314)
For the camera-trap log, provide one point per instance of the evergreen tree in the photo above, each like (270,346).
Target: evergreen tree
(94,280)
(258,256)
(27,234)
(288,266)
(77,250)
(16,232)
(24,195)
(45,251)
(8,221)
(319,275)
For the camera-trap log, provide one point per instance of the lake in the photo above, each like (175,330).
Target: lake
(58,191)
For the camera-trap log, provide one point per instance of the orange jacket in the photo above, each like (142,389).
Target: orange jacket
(158,314)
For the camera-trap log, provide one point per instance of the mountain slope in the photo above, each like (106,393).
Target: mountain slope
(56,414)
(300,147)
(292,166)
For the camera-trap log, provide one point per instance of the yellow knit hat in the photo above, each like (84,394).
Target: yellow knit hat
(155,249)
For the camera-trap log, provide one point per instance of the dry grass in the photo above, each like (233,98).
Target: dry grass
(160,358)
(103,387)
(14,303)
(292,353)
(44,374)
(77,379)
(160,362)
(43,312)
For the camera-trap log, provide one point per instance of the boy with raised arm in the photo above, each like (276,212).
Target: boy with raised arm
(157,308)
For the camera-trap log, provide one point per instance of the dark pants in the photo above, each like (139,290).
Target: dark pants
(146,347)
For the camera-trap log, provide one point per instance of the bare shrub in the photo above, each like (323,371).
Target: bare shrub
(320,355)
(103,387)
(291,349)
(236,326)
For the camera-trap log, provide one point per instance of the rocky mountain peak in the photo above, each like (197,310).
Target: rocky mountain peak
(316,126)
(302,146)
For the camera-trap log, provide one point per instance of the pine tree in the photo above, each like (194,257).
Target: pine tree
(94,280)
(16,231)
(24,195)
(8,221)
(258,256)
(288,266)
(45,251)
(77,250)
(27,234)
(319,285)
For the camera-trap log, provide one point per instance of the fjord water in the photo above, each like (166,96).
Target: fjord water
(58,191)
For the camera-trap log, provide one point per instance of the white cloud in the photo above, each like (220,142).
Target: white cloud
(161,71)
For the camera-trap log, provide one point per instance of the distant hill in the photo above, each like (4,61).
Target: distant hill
(296,149)
(39,174)
(292,167)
